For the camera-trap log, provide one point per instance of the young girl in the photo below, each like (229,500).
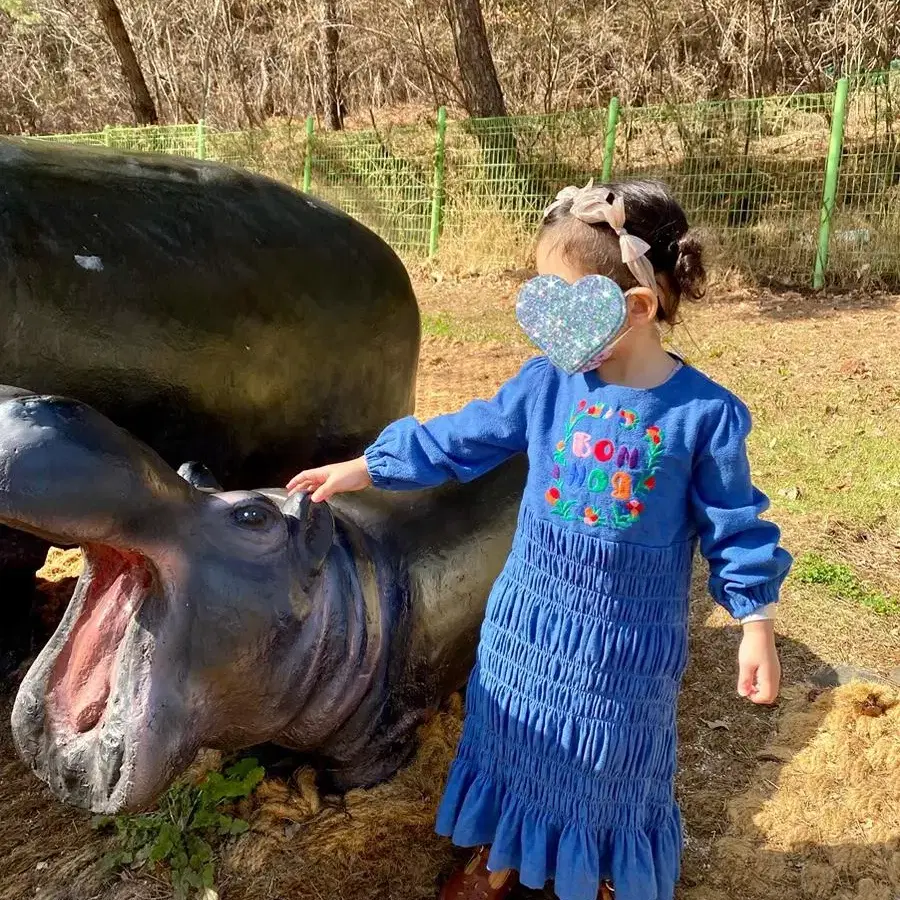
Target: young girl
(566,763)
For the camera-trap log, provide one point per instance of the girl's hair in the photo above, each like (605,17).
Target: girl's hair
(651,213)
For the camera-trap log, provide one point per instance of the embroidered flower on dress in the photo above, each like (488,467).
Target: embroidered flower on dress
(626,508)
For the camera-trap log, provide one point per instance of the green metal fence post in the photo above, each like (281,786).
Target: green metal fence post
(307,162)
(612,123)
(107,136)
(437,195)
(832,173)
(201,139)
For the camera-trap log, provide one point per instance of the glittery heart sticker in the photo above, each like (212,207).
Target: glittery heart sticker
(571,323)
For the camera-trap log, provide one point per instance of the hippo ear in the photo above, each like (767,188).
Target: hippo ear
(313,526)
(198,476)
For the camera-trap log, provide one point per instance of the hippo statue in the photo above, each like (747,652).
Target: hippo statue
(210,312)
(228,619)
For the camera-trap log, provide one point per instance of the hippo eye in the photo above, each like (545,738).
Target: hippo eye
(252,517)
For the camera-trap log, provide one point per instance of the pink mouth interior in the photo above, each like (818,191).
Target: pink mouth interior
(115,584)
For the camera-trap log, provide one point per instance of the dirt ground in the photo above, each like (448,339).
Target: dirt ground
(800,802)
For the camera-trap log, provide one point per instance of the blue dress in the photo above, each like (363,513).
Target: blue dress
(567,759)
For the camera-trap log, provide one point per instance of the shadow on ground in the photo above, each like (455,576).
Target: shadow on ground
(782,305)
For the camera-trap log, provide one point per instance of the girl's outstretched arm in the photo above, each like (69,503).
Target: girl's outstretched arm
(461,446)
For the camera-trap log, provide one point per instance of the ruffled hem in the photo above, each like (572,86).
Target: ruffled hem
(642,864)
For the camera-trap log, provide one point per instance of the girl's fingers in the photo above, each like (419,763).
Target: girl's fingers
(747,681)
(306,480)
(765,687)
(327,481)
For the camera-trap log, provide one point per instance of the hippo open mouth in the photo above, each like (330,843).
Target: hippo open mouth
(70,476)
(96,683)
(113,588)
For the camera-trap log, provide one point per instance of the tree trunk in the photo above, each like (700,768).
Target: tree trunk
(510,182)
(141,102)
(481,86)
(331,82)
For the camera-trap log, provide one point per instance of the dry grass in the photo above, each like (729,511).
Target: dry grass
(375,843)
(821,818)
(800,802)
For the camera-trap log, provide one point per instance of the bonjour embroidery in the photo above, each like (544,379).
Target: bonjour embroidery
(580,462)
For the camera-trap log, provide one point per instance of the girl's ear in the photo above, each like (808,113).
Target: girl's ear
(642,306)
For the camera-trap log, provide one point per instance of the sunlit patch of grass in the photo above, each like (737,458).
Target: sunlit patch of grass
(439,325)
(808,460)
(843,583)
(471,329)
(811,460)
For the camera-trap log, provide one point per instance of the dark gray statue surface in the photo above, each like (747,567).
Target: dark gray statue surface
(212,313)
(226,619)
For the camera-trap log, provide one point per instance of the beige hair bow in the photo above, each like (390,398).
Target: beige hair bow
(589,204)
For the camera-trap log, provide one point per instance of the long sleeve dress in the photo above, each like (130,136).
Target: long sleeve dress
(567,759)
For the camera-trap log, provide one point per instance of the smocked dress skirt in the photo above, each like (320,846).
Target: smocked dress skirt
(567,757)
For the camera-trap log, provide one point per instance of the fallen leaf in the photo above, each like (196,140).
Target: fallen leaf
(858,368)
(718,725)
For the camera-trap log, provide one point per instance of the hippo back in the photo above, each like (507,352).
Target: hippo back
(215,315)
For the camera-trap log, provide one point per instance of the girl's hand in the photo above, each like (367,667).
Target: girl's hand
(760,669)
(324,483)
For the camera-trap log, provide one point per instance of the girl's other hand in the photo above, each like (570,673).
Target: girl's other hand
(339,478)
(759,678)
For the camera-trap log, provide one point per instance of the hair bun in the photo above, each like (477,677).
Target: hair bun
(690,275)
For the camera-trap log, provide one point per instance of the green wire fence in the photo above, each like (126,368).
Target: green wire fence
(792,189)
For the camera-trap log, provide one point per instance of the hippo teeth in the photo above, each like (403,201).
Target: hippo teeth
(114,585)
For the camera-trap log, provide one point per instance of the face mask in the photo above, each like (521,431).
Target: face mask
(575,325)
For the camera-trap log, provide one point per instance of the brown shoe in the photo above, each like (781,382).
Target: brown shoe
(475,882)
(606,892)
